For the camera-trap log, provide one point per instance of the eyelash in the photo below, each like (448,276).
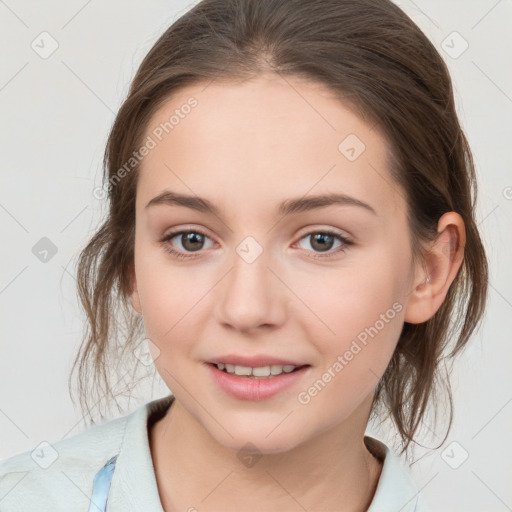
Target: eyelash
(346,243)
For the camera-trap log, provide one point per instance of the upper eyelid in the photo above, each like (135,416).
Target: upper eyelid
(336,231)
(182,231)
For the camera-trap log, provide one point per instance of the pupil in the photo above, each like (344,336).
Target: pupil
(321,239)
(193,239)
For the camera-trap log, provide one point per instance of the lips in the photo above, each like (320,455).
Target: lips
(252,388)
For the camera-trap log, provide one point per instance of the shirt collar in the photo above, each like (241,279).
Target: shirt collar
(396,490)
(134,487)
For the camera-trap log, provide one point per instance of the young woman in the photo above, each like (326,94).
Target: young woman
(292,228)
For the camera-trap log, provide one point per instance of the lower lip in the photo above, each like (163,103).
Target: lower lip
(246,388)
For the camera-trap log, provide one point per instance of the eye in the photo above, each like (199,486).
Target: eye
(323,241)
(188,241)
(193,241)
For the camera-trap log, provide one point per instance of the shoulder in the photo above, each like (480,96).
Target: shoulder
(396,489)
(58,475)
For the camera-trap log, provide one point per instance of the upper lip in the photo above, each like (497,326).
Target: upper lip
(253,361)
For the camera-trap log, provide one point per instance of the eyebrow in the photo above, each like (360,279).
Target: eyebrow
(290,206)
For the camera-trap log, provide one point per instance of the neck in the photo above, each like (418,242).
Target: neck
(333,471)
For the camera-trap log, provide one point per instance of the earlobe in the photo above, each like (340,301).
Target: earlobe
(440,267)
(135,293)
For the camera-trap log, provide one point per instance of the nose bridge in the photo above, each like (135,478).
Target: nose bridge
(250,296)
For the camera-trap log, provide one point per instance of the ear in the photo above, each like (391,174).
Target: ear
(135,300)
(442,262)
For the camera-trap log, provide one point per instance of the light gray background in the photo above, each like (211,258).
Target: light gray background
(55,117)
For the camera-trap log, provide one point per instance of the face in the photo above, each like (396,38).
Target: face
(252,269)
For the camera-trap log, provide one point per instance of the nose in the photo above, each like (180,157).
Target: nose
(251,297)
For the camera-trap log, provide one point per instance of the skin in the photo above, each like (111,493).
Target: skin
(247,147)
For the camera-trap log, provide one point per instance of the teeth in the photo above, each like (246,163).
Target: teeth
(260,371)
(276,369)
(243,370)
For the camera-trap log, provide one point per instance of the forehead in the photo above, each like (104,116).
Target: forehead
(268,138)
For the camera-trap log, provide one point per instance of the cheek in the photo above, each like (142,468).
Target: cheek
(353,360)
(354,299)
(173,315)
(361,315)
(170,297)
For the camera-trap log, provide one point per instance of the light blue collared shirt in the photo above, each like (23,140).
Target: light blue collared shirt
(109,468)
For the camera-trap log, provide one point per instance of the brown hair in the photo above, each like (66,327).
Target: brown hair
(372,55)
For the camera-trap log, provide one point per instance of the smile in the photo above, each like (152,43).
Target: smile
(256,383)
